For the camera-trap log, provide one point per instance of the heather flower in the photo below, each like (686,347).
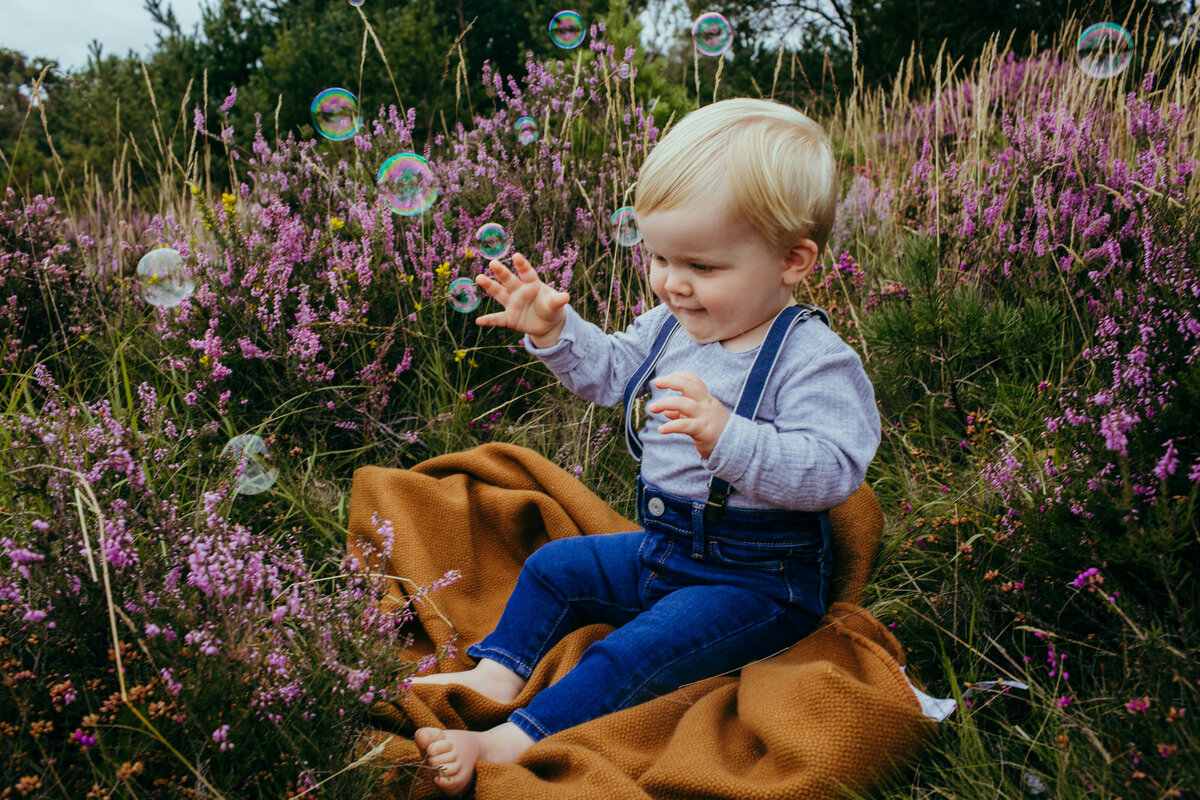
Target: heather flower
(1137,705)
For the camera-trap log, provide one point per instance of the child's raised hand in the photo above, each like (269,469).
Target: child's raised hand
(694,412)
(530,306)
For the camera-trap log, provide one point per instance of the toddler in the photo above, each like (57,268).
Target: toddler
(760,419)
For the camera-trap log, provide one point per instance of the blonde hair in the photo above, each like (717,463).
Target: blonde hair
(776,163)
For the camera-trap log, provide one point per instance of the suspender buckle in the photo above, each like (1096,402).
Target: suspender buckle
(714,506)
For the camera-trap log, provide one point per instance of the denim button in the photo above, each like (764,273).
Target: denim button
(656,507)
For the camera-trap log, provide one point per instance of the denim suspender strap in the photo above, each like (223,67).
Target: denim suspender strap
(752,390)
(634,386)
(747,404)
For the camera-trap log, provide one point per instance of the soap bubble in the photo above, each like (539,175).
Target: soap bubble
(623,71)
(356,3)
(335,114)
(527,130)
(250,453)
(464,295)
(713,35)
(406,184)
(165,278)
(493,240)
(625,228)
(566,30)
(1104,50)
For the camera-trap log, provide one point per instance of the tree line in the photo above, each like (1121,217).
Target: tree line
(55,125)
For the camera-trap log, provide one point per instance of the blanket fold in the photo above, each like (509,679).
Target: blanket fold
(832,711)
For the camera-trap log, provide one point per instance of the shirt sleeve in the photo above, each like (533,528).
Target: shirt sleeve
(596,365)
(815,453)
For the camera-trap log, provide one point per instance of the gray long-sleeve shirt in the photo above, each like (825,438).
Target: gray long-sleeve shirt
(808,449)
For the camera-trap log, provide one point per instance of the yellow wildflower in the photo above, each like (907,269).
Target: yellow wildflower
(336,224)
(459,355)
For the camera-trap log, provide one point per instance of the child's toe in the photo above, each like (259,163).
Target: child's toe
(425,737)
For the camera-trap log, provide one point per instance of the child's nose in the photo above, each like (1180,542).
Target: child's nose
(677,283)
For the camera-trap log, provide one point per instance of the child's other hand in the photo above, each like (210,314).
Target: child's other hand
(530,306)
(694,412)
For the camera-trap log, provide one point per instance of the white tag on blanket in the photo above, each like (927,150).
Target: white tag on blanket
(938,708)
(934,708)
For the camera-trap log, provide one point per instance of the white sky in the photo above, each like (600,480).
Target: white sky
(63,29)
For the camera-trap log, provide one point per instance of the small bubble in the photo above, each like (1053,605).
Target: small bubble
(713,34)
(356,3)
(566,30)
(493,240)
(406,184)
(1104,50)
(623,72)
(527,130)
(625,228)
(335,114)
(250,450)
(464,295)
(165,278)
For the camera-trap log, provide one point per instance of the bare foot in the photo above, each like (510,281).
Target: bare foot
(455,752)
(490,678)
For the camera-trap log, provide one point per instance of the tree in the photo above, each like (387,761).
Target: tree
(884,32)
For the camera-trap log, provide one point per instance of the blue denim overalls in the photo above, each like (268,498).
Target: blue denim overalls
(705,589)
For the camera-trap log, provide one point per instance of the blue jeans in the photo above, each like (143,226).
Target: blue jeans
(689,601)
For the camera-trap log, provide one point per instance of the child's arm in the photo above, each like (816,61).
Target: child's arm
(812,456)
(815,453)
(589,362)
(530,306)
(694,411)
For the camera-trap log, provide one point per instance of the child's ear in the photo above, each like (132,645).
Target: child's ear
(799,261)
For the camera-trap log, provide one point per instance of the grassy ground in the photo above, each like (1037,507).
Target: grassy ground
(1014,260)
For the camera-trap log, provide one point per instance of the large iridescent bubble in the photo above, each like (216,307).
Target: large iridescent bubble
(566,30)
(1104,50)
(249,452)
(335,114)
(464,295)
(493,240)
(165,278)
(406,184)
(713,34)
(527,130)
(625,230)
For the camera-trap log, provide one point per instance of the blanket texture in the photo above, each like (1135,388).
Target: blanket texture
(833,712)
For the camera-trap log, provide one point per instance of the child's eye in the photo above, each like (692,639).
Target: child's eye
(701,267)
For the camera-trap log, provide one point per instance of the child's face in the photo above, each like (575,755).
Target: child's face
(721,279)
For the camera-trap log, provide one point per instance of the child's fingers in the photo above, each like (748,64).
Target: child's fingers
(525,270)
(487,284)
(688,383)
(683,426)
(674,407)
(502,274)
(496,319)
